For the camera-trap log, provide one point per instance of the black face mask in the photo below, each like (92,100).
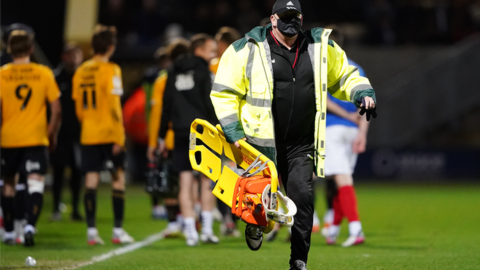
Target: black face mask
(289,26)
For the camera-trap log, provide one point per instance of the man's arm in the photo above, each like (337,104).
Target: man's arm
(345,82)
(155,114)
(53,97)
(360,142)
(167,107)
(227,91)
(77,99)
(336,109)
(54,123)
(1,113)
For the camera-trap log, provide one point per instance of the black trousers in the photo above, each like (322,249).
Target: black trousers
(67,154)
(295,166)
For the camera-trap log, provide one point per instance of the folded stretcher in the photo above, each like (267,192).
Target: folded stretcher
(252,196)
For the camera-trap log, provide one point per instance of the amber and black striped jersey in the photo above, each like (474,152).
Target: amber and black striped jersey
(97,88)
(24,91)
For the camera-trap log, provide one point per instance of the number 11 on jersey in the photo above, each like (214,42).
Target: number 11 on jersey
(86,88)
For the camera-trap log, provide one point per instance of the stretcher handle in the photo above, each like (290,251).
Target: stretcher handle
(270,164)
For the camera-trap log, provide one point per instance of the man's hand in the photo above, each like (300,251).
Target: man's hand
(116,149)
(368,106)
(359,143)
(160,149)
(151,153)
(237,144)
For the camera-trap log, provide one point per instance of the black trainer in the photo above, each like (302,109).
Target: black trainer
(29,240)
(298,265)
(253,237)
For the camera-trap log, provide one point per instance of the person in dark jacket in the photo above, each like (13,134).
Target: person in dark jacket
(67,153)
(187,97)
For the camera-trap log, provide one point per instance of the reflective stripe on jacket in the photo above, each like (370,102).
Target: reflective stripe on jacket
(242,93)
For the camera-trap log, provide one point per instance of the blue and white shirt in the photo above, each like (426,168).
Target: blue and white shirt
(333,119)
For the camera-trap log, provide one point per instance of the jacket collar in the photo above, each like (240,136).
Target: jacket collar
(259,34)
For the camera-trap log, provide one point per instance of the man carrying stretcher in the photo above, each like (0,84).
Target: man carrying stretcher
(271,90)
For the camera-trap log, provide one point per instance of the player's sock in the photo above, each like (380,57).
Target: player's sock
(90,201)
(29,228)
(330,192)
(117,231)
(8,210)
(189,224)
(355,228)
(348,203)
(1,194)
(207,222)
(328,217)
(35,190)
(316,220)
(9,235)
(57,187)
(172,211)
(118,200)
(18,226)
(333,230)
(20,199)
(180,220)
(1,202)
(75,187)
(337,211)
(91,231)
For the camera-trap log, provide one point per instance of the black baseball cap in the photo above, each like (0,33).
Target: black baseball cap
(282,6)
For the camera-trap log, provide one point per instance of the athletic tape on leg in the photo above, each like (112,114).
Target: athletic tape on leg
(35,186)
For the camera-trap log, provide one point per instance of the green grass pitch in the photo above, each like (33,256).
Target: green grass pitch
(407,226)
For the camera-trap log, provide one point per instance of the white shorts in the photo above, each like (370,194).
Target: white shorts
(340,158)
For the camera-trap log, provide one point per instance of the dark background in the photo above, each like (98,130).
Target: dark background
(422,57)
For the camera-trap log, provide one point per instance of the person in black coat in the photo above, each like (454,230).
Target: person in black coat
(187,97)
(67,152)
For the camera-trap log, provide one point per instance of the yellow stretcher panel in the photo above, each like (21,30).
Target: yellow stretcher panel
(211,164)
(224,188)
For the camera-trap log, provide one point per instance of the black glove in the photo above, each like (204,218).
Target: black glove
(370,112)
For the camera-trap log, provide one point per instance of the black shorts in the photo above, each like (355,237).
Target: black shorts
(180,155)
(25,160)
(99,157)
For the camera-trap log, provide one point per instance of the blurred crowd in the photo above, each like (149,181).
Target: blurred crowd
(149,23)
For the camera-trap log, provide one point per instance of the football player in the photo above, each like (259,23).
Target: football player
(185,99)
(97,88)
(346,134)
(25,134)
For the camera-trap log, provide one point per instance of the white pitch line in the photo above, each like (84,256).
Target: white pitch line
(119,251)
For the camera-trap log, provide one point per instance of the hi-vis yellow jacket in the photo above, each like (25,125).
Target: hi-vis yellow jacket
(242,93)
